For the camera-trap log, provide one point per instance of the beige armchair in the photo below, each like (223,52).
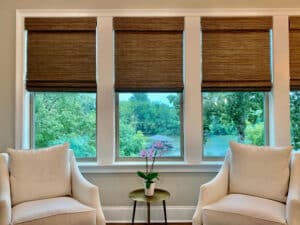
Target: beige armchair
(255,186)
(42,199)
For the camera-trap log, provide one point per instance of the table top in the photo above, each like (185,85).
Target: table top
(139,195)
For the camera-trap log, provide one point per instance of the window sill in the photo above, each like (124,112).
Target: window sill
(164,167)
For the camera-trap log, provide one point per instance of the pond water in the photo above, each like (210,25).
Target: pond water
(217,145)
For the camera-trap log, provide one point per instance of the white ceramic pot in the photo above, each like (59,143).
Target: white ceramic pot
(149,191)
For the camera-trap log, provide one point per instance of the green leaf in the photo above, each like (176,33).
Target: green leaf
(151,176)
(141,174)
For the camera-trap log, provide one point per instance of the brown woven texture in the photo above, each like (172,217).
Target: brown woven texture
(61,61)
(294,53)
(59,23)
(149,23)
(294,22)
(148,61)
(237,23)
(236,60)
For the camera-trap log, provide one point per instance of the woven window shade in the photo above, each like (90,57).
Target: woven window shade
(148,54)
(236,53)
(61,54)
(294,53)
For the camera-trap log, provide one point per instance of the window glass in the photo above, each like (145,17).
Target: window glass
(149,120)
(65,117)
(295,119)
(232,116)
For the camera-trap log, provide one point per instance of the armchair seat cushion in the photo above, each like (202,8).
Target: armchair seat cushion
(53,211)
(238,209)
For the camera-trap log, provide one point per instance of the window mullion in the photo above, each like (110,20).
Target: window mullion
(192,92)
(105,92)
(279,100)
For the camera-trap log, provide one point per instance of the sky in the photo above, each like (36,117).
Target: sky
(155,97)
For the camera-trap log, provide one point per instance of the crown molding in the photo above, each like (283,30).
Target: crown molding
(160,12)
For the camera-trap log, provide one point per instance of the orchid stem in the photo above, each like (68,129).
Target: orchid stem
(153,162)
(146,165)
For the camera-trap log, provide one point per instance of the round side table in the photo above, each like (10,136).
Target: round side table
(138,195)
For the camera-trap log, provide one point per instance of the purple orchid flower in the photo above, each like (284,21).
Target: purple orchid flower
(143,153)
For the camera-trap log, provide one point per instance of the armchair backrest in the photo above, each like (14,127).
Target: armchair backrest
(39,174)
(260,171)
(295,173)
(5,201)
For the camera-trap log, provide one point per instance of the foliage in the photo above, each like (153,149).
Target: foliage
(71,117)
(141,118)
(131,141)
(151,117)
(255,133)
(66,117)
(234,113)
(295,115)
(175,100)
(149,155)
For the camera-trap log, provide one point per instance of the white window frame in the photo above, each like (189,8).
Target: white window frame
(192,102)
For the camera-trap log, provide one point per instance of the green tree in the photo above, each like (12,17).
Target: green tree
(295,119)
(216,118)
(228,113)
(238,109)
(140,118)
(255,133)
(142,112)
(175,100)
(66,117)
(131,142)
(151,117)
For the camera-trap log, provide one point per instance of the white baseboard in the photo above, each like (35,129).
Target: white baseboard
(123,214)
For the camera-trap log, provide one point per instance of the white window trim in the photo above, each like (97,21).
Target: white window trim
(279,97)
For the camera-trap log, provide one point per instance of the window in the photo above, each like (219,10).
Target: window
(61,78)
(107,65)
(148,83)
(236,73)
(149,120)
(65,117)
(232,116)
(294,34)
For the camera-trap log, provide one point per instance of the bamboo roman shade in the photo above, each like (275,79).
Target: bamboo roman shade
(61,54)
(236,53)
(294,52)
(148,53)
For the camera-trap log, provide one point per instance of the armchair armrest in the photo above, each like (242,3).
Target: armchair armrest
(5,201)
(85,192)
(293,200)
(212,191)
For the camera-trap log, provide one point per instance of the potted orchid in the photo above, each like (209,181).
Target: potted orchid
(149,176)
